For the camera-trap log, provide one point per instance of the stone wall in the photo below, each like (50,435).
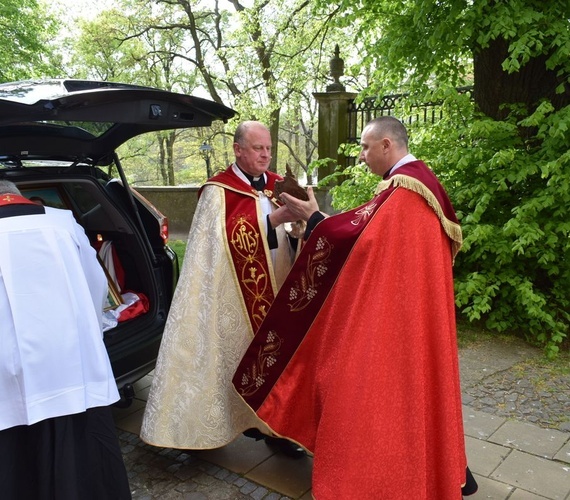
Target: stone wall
(179,203)
(176,203)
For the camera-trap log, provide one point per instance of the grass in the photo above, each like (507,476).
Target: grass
(471,334)
(549,368)
(179,246)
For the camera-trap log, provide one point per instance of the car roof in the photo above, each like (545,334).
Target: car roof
(81,119)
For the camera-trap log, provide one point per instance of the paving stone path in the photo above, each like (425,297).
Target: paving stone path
(499,377)
(174,474)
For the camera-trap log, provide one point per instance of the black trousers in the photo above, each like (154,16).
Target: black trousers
(75,457)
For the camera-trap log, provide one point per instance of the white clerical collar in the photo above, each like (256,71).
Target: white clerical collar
(242,176)
(406,159)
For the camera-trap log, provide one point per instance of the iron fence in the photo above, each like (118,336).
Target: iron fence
(360,113)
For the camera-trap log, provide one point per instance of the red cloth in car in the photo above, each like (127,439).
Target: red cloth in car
(141,306)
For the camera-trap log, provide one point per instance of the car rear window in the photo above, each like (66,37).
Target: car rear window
(83,199)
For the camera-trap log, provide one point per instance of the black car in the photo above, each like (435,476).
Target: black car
(57,141)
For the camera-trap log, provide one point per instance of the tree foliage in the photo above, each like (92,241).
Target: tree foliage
(118,46)
(503,156)
(25,33)
(258,58)
(511,192)
(515,51)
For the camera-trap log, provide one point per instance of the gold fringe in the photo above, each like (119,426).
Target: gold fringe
(452,229)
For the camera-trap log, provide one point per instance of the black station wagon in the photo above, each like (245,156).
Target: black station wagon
(57,141)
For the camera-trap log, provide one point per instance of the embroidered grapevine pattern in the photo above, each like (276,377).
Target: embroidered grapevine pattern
(305,289)
(255,376)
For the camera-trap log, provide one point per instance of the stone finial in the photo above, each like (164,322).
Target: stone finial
(336,71)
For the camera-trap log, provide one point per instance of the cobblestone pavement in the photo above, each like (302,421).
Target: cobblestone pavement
(500,377)
(545,403)
(169,474)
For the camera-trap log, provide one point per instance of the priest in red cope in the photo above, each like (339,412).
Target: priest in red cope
(357,358)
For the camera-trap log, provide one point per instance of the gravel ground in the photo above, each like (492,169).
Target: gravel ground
(508,378)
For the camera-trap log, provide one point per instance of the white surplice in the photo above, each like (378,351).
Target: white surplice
(53,361)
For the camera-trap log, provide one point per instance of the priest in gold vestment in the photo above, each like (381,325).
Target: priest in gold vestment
(237,256)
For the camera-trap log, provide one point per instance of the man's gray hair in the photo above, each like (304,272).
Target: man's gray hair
(242,129)
(8,187)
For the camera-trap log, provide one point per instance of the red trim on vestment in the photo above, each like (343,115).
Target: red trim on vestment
(229,180)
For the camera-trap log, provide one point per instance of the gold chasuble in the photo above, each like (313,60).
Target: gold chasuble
(227,283)
(357,359)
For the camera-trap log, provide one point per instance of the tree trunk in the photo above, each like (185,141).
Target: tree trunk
(274,130)
(162,159)
(170,140)
(528,86)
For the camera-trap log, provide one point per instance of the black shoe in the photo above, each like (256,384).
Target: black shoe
(254,434)
(285,446)
(471,485)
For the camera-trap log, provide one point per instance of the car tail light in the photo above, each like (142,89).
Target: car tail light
(164,231)
(160,217)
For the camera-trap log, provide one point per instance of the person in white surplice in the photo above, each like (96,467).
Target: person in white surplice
(57,433)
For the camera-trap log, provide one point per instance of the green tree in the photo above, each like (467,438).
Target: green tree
(514,51)
(107,50)
(503,156)
(259,58)
(101,52)
(512,194)
(25,33)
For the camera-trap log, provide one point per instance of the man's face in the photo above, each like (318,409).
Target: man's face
(374,151)
(254,154)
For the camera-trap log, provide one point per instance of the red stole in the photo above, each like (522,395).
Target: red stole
(247,244)
(14,199)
